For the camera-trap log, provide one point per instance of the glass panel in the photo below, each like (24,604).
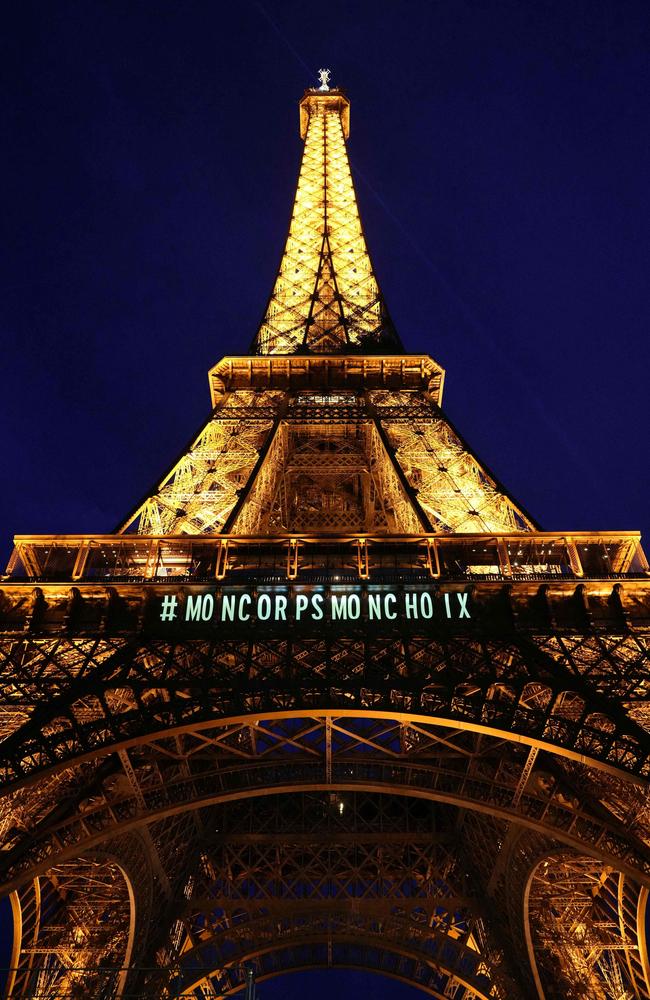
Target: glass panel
(56,562)
(539,556)
(101,562)
(326,399)
(131,558)
(604,558)
(119,560)
(465,558)
(174,559)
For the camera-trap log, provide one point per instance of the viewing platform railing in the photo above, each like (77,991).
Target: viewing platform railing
(311,557)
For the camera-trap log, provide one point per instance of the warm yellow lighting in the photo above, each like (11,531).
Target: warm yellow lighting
(326,296)
(381,470)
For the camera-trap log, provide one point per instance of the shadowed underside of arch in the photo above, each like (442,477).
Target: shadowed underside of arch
(552,691)
(383,964)
(463,766)
(373,853)
(320,877)
(144,742)
(437,966)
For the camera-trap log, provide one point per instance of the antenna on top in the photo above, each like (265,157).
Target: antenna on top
(251,992)
(324,77)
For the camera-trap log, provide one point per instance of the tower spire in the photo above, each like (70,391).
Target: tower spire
(326,298)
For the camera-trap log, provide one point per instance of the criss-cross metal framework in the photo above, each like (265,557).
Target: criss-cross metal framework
(446,783)
(326,297)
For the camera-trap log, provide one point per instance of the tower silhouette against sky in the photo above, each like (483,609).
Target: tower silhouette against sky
(328,696)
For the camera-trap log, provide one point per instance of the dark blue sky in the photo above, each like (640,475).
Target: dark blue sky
(151,150)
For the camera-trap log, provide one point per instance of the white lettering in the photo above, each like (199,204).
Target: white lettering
(301,604)
(264,607)
(339,607)
(228,607)
(374,606)
(193,608)
(354,606)
(426,605)
(462,600)
(393,600)
(308,606)
(411,606)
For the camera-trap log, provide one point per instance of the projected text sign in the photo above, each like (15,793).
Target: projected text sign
(316,606)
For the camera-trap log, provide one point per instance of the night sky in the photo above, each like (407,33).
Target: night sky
(501,156)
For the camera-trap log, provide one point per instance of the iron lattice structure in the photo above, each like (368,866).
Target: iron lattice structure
(444,782)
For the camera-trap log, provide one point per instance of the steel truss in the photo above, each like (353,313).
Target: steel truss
(267,462)
(589,940)
(336,758)
(66,696)
(326,297)
(536,745)
(459,803)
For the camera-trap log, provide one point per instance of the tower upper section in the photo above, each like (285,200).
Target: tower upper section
(326,298)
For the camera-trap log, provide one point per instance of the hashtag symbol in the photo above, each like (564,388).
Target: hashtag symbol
(168,611)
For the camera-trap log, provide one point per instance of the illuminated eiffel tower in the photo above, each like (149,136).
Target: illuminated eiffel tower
(328,697)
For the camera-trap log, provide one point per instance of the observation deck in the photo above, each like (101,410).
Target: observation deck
(511,582)
(525,557)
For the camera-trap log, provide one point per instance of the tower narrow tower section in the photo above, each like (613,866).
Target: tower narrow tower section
(326,298)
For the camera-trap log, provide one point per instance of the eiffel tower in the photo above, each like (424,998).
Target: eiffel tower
(328,696)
